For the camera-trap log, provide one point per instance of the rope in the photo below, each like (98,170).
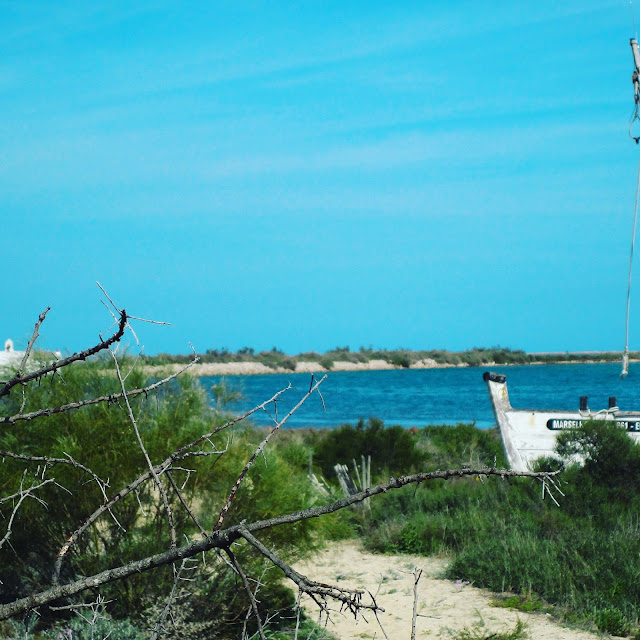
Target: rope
(625,355)
(634,116)
(594,415)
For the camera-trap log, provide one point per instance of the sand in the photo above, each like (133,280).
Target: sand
(255,368)
(445,607)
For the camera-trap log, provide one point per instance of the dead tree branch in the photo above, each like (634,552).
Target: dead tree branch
(158,627)
(34,337)
(416,578)
(351,599)
(247,588)
(21,378)
(258,451)
(154,475)
(111,398)
(224,538)
(21,496)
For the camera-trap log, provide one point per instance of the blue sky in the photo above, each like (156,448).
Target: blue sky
(306,175)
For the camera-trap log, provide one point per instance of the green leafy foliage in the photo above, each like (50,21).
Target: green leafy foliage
(613,621)
(525,602)
(392,448)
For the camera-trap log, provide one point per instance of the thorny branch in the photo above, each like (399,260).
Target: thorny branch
(154,475)
(158,627)
(21,496)
(224,538)
(351,599)
(258,451)
(50,462)
(247,588)
(111,398)
(20,378)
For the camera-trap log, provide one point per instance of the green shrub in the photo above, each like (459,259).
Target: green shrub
(392,449)
(104,627)
(288,363)
(526,603)
(401,359)
(613,621)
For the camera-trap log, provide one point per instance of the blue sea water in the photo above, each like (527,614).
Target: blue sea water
(418,397)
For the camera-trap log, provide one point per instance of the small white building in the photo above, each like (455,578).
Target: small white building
(10,357)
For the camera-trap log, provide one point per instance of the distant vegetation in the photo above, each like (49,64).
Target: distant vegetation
(476,357)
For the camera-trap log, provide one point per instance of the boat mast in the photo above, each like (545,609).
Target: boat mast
(635,78)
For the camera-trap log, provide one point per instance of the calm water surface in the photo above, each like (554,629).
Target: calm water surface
(417,397)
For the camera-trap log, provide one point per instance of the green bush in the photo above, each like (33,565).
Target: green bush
(103,627)
(288,363)
(392,449)
(613,621)
(401,359)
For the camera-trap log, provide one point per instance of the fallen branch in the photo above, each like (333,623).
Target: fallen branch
(223,539)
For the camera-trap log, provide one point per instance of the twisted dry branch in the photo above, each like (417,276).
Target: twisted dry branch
(351,599)
(21,378)
(224,538)
(112,397)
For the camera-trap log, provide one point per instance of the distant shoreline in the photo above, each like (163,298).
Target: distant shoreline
(258,368)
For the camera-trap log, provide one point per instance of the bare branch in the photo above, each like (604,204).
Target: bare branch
(185,505)
(180,454)
(156,479)
(177,573)
(112,397)
(34,337)
(113,304)
(50,461)
(20,378)
(223,539)
(258,451)
(166,324)
(247,588)
(350,598)
(416,578)
(22,495)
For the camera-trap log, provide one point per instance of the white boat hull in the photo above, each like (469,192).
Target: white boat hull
(529,434)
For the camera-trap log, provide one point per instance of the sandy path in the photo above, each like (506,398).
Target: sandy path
(444,606)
